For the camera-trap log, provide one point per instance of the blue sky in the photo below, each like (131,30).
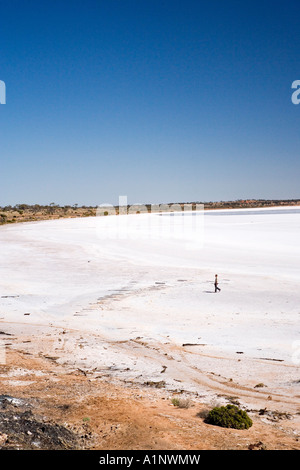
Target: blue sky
(162,101)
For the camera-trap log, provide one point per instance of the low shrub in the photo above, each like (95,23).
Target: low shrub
(229,416)
(181,402)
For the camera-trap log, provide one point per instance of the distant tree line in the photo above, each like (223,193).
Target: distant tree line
(27,212)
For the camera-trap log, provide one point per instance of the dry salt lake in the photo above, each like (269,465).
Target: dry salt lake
(135,299)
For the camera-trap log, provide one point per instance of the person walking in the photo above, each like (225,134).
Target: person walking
(216,284)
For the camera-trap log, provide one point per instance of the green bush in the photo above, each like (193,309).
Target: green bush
(229,416)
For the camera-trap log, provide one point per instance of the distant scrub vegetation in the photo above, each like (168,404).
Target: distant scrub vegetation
(34,212)
(27,213)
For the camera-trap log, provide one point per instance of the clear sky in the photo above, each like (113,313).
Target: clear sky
(159,100)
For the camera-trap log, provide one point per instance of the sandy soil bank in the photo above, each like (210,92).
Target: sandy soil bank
(101,411)
(63,408)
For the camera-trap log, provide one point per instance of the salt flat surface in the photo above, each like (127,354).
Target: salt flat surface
(122,285)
